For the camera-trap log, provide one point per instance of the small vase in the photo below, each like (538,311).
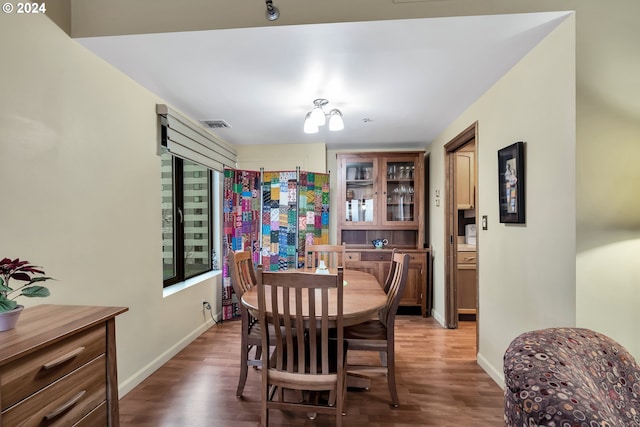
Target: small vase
(8,319)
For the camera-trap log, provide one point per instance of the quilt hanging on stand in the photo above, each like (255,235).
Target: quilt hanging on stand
(274,215)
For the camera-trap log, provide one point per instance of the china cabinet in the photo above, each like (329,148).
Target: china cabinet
(380,197)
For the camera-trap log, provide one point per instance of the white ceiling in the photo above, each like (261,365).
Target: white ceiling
(410,77)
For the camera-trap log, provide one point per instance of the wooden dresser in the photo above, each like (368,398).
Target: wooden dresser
(58,367)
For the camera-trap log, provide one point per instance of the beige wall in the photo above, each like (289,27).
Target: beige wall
(526,273)
(608,222)
(81,190)
(309,157)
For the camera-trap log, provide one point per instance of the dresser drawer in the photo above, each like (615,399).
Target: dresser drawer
(64,402)
(352,256)
(95,418)
(375,256)
(416,257)
(466,257)
(27,375)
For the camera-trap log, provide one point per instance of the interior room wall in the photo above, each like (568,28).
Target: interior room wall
(80,181)
(281,157)
(608,220)
(526,272)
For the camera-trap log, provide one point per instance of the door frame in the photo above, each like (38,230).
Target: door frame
(470,134)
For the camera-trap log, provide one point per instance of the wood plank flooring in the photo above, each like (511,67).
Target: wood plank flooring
(438,379)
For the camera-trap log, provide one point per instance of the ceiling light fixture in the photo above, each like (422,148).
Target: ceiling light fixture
(317,117)
(272,12)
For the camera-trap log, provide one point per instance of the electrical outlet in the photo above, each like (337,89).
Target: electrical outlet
(206,305)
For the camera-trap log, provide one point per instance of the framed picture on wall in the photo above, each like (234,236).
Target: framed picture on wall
(511,183)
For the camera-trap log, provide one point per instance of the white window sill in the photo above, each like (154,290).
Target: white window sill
(170,290)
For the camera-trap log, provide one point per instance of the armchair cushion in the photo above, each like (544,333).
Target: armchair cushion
(570,377)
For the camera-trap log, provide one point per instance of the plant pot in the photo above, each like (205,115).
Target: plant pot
(8,319)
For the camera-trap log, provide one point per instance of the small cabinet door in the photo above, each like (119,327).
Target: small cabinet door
(375,264)
(465,180)
(466,289)
(399,190)
(414,288)
(360,194)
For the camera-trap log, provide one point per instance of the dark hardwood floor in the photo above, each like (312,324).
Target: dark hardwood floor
(439,384)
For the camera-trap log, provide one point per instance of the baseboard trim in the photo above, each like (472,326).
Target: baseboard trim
(496,375)
(130,383)
(438,317)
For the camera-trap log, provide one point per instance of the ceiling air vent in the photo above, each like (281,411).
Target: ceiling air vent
(215,124)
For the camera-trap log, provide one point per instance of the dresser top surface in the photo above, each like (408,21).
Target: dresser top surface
(48,323)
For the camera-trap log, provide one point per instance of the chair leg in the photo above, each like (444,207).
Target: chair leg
(258,354)
(391,377)
(264,416)
(244,355)
(332,396)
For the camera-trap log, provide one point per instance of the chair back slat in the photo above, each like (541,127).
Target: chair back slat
(332,255)
(392,268)
(400,270)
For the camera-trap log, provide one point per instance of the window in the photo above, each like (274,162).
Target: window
(193,161)
(187,218)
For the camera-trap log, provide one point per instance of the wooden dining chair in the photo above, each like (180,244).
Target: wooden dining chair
(243,278)
(378,334)
(305,356)
(392,268)
(333,255)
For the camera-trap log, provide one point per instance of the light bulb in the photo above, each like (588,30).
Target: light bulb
(317,114)
(310,125)
(335,120)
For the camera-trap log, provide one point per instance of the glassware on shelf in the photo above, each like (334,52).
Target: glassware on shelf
(392,171)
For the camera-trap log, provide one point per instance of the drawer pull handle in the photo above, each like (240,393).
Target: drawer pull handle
(471,258)
(65,357)
(51,415)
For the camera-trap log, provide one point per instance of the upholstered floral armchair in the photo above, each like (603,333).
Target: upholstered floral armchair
(566,377)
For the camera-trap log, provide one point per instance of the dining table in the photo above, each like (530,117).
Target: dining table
(362,296)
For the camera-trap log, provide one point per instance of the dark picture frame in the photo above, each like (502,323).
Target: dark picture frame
(511,183)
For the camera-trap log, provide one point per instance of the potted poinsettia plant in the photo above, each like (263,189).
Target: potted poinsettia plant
(30,277)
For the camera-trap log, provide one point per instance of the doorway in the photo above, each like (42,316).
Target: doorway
(461,197)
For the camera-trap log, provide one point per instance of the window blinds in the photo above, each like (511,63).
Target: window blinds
(185,139)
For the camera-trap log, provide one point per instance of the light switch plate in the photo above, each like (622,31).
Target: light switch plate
(484,222)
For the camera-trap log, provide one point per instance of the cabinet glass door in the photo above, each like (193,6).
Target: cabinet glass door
(400,187)
(360,191)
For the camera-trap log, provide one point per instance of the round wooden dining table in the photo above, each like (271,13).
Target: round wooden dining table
(362,296)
